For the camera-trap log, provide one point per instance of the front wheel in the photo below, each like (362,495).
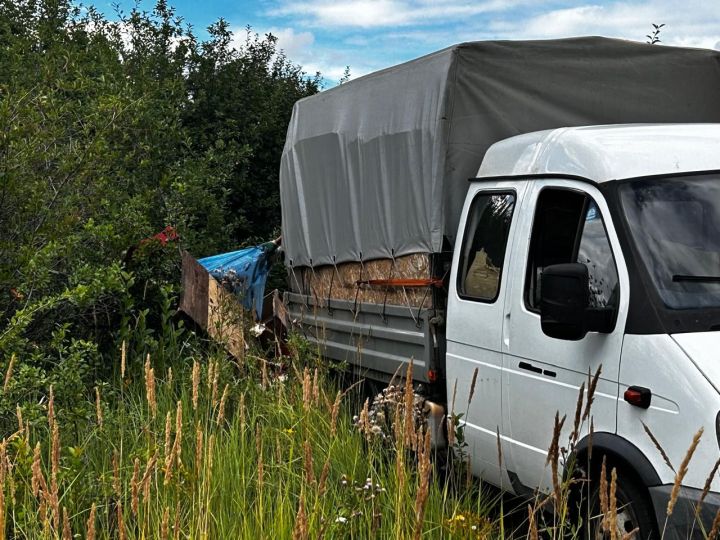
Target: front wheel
(634,510)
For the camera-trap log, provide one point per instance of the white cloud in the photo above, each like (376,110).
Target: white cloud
(692,23)
(385,13)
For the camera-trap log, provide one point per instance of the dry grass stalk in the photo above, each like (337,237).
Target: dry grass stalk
(532,525)
(90,526)
(322,483)
(706,487)
(309,469)
(472,385)
(210,453)
(9,372)
(165,524)
(37,482)
(175,456)
(221,407)
(120,521)
(264,379)
(612,510)
(176,525)
(334,414)
(150,387)
(604,505)
(682,471)
(54,461)
(123,359)
(168,433)
(241,412)
(315,388)
(364,422)
(408,403)
(591,393)
(553,459)
(450,423)
(590,438)
(195,383)
(66,532)
(147,476)
(306,389)
(198,447)
(424,469)
(214,387)
(21,424)
(300,530)
(665,457)
(135,487)
(98,408)
(715,529)
(578,411)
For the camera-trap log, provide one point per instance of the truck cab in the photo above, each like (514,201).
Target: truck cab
(593,250)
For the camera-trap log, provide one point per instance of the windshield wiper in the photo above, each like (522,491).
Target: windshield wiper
(697,279)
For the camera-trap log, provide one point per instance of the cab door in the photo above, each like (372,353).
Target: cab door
(570,223)
(479,281)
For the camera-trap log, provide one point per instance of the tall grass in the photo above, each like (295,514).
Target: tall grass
(217,450)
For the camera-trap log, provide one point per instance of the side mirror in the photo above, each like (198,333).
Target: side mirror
(564,299)
(564,304)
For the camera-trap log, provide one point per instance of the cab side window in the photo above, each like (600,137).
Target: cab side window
(568,228)
(484,245)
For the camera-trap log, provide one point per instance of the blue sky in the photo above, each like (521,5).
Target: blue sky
(327,35)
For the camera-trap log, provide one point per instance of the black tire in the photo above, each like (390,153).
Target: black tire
(634,508)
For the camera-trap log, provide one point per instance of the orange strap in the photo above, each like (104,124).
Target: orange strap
(435,282)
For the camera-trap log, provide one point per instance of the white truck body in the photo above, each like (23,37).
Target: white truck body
(525,376)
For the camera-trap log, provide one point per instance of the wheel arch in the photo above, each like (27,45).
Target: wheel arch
(620,451)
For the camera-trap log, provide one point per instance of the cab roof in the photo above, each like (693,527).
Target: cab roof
(609,152)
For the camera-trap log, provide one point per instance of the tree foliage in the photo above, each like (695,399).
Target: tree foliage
(109,131)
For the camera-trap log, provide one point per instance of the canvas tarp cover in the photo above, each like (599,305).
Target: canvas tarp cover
(379,167)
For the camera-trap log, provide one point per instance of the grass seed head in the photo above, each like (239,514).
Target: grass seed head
(98,408)
(334,414)
(195,383)
(612,511)
(472,385)
(66,532)
(9,372)
(90,526)
(135,487)
(221,407)
(591,393)
(123,359)
(150,387)
(682,471)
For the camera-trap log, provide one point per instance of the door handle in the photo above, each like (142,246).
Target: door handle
(527,366)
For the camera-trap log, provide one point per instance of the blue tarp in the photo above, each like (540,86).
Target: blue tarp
(245,272)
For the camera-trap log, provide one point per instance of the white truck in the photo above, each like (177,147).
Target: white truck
(533,211)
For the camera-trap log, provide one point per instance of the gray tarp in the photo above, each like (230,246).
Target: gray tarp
(379,166)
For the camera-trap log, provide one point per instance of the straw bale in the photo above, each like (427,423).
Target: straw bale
(340,283)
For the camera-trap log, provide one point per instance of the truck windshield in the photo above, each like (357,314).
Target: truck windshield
(675,223)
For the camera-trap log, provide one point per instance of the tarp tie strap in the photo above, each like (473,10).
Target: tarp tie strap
(356,310)
(387,289)
(400,282)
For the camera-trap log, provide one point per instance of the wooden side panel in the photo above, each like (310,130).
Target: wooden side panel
(213,308)
(194,299)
